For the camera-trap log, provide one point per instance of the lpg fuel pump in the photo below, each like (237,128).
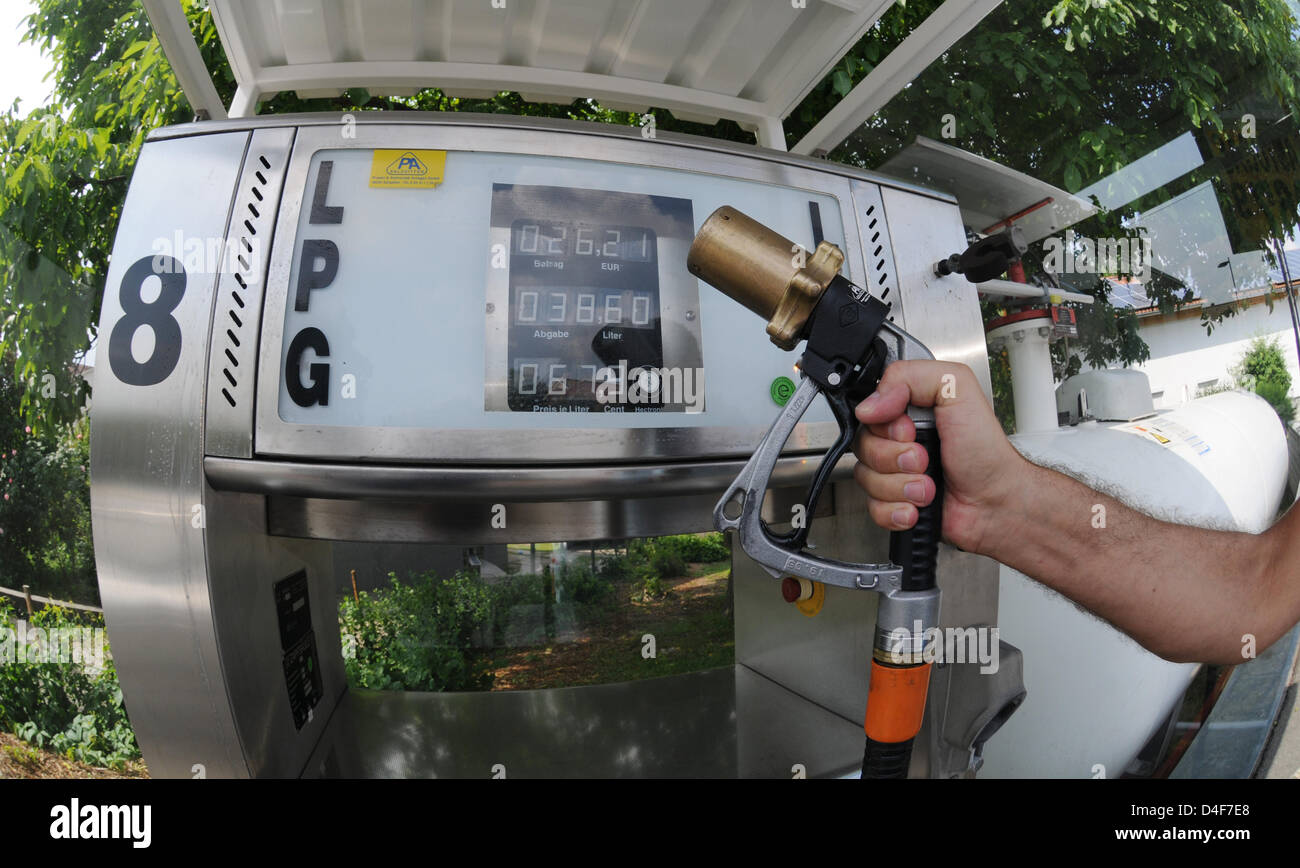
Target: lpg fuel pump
(849,342)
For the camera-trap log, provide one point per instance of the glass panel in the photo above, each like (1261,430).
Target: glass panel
(528,616)
(1175,124)
(1150,152)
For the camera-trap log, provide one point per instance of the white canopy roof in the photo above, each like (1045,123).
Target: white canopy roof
(748,60)
(990,193)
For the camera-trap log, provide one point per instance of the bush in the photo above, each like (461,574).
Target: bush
(517,590)
(701,548)
(417,636)
(1264,361)
(666,557)
(64,705)
(1276,394)
(581,585)
(1263,369)
(666,562)
(616,568)
(650,587)
(45,536)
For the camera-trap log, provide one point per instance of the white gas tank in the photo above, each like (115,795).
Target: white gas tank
(1094,695)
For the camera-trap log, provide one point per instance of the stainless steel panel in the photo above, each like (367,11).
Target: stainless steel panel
(147,477)
(944,314)
(598,131)
(471,523)
(824,659)
(492,484)
(275,437)
(232,359)
(879,267)
(941,312)
(725,722)
(245,563)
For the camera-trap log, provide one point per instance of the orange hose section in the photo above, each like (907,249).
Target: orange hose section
(896,702)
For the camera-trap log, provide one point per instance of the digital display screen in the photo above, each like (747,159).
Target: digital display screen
(585,319)
(484,319)
(584,305)
(625,243)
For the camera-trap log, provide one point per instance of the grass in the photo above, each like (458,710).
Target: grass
(523,547)
(691,626)
(21,760)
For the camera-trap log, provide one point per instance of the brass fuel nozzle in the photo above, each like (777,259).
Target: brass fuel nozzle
(763,270)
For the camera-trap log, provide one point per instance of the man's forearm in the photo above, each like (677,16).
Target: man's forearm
(1184,593)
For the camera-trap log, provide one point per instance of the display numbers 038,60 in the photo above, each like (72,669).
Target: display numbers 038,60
(563,306)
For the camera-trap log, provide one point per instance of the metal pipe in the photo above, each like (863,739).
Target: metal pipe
(1012,289)
(1030,356)
(1290,295)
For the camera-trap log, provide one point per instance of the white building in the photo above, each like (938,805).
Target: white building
(1185,360)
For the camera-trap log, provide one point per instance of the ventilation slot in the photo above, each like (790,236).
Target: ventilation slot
(882,276)
(243,276)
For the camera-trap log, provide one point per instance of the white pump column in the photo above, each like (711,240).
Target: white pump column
(1027,335)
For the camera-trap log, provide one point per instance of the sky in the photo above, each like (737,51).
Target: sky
(21,66)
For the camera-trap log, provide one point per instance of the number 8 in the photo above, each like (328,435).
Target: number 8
(157,315)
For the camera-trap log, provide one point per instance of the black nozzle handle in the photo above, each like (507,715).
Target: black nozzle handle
(917,549)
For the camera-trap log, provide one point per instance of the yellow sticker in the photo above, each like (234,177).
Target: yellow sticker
(409,170)
(1152,432)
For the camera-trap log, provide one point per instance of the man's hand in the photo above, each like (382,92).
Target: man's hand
(982,470)
(1183,592)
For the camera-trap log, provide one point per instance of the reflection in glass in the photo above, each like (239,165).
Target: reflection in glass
(528,616)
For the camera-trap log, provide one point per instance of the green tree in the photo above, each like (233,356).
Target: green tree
(1263,369)
(1070,91)
(45,538)
(1066,91)
(1264,361)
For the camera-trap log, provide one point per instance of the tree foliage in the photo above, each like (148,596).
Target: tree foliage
(1064,90)
(45,537)
(1263,369)
(419,634)
(1072,91)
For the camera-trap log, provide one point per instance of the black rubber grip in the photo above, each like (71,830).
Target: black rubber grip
(916,550)
(886,762)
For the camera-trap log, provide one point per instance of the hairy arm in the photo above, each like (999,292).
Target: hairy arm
(1184,593)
